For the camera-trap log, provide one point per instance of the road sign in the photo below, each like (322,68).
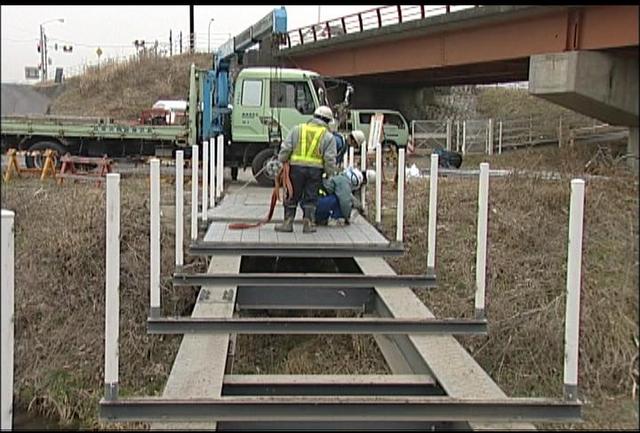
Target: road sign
(31,72)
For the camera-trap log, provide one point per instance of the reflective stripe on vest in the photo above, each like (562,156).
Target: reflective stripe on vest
(308,149)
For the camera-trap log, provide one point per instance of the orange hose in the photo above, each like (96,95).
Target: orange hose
(282,181)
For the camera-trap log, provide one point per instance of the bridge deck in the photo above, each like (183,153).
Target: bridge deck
(253,204)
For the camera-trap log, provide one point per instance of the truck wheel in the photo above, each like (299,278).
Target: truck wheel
(258,164)
(234,173)
(38,160)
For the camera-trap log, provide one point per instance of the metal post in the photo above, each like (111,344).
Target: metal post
(560,132)
(457,136)
(481,251)
(449,134)
(363,169)
(530,129)
(154,260)
(413,133)
(400,206)
(500,139)
(194,192)
(378,182)
(352,156)
(212,172)
(345,162)
(464,137)
(179,208)
(490,139)
(220,166)
(433,211)
(574,263)
(8,309)
(112,287)
(205,179)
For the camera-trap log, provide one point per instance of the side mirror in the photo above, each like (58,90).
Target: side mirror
(347,94)
(321,96)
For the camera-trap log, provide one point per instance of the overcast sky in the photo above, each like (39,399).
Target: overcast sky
(114,28)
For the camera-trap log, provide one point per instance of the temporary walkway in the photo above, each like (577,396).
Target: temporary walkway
(435,383)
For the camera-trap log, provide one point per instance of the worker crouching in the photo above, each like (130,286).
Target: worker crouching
(310,149)
(337,196)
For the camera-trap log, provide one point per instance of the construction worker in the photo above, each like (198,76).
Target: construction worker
(354,139)
(337,198)
(310,149)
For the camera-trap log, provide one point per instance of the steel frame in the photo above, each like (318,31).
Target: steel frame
(304,280)
(203,248)
(305,325)
(339,408)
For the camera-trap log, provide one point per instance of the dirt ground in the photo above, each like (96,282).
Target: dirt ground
(60,291)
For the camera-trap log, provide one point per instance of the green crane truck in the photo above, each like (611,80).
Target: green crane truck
(253,111)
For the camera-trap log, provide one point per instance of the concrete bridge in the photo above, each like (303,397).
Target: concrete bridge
(584,58)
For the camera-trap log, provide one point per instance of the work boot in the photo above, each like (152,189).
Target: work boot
(308,222)
(308,226)
(287,224)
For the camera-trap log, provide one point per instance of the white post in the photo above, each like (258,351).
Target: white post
(194,192)
(154,247)
(449,134)
(112,287)
(179,208)
(8,309)
(352,156)
(500,139)
(490,139)
(574,263)
(481,251)
(212,173)
(205,179)
(345,160)
(378,182)
(400,205)
(433,211)
(413,133)
(560,131)
(363,169)
(464,137)
(219,166)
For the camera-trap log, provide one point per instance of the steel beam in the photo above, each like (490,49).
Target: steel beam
(333,425)
(340,408)
(325,384)
(294,249)
(307,298)
(303,280)
(305,325)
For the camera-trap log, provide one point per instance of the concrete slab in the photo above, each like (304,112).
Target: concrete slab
(199,366)
(455,369)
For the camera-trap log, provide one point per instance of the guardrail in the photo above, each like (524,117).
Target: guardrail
(362,21)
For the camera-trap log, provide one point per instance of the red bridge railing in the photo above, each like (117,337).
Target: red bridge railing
(362,21)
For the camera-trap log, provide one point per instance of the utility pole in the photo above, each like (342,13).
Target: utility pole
(42,54)
(191,30)
(170,45)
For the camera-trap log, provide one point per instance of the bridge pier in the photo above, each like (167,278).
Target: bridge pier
(595,83)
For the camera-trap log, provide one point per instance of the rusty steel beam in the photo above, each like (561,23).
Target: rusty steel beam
(557,29)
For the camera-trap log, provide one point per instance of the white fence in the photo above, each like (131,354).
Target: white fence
(488,136)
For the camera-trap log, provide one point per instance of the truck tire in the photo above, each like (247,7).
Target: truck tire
(257,165)
(41,146)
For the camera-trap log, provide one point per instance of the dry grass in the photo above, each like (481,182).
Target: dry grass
(526,280)
(122,91)
(59,298)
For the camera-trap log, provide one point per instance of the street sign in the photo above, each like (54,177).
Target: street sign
(31,73)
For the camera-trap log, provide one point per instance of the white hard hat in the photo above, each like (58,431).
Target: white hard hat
(355,177)
(371,176)
(324,113)
(358,136)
